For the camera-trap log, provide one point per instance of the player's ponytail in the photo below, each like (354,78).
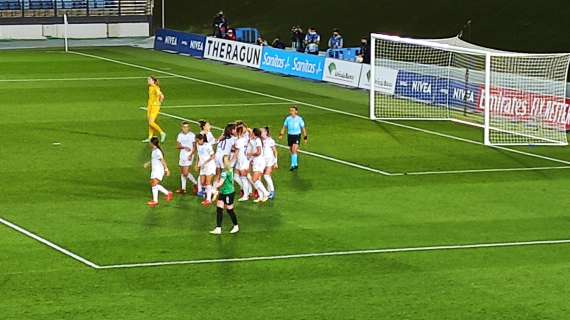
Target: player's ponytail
(155,80)
(256,132)
(156,142)
(267,131)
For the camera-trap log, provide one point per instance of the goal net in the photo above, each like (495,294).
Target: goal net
(518,99)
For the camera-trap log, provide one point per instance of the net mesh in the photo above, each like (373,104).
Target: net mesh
(422,80)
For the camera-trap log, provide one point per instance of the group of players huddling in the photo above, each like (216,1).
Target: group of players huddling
(240,154)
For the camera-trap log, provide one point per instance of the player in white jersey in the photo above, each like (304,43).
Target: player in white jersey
(205,129)
(225,147)
(185,143)
(242,162)
(270,155)
(255,155)
(207,166)
(158,170)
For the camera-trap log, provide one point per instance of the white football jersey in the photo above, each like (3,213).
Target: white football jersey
(155,158)
(241,146)
(254,144)
(205,152)
(225,146)
(186,140)
(210,138)
(268,145)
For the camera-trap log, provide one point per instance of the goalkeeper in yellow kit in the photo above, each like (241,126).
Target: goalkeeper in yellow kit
(155,98)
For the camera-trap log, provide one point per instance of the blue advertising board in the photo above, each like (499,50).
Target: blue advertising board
(292,63)
(436,90)
(179,42)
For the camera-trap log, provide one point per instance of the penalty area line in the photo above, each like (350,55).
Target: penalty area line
(316,155)
(48,243)
(225,105)
(424,173)
(339,253)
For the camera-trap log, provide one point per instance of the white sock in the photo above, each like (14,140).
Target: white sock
(192,179)
(209,193)
(155,194)
(246,186)
(162,189)
(183,182)
(237,179)
(269,181)
(261,189)
(199,184)
(250,179)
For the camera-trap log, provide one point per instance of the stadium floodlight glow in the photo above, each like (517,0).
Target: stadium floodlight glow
(517,98)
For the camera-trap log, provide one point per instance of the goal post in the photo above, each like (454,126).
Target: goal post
(517,98)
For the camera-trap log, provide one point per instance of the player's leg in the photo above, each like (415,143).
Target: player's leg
(153,126)
(231,213)
(184,172)
(208,184)
(294,148)
(219,217)
(269,180)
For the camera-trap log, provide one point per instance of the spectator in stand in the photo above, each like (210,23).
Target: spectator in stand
(278,44)
(297,38)
(364,56)
(220,25)
(261,42)
(231,35)
(312,41)
(336,41)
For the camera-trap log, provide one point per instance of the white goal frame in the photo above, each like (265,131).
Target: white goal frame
(488,54)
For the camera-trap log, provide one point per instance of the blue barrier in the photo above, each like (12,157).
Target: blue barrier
(179,42)
(348,54)
(247,35)
(292,63)
(437,91)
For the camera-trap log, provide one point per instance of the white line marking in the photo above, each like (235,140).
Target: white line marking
(421,173)
(313,106)
(49,244)
(225,105)
(76,79)
(316,155)
(339,253)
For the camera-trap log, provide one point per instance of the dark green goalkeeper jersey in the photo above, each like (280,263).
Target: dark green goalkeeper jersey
(228,185)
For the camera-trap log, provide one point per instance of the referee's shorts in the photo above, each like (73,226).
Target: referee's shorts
(293,139)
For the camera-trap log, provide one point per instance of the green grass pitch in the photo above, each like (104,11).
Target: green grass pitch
(87,193)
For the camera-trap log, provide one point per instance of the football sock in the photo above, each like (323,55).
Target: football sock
(250,180)
(219,216)
(209,193)
(269,181)
(233,216)
(246,186)
(155,194)
(237,179)
(183,180)
(199,184)
(294,160)
(162,189)
(261,189)
(192,179)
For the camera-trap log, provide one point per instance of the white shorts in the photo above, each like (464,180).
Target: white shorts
(242,163)
(270,162)
(258,164)
(220,160)
(209,169)
(157,174)
(185,161)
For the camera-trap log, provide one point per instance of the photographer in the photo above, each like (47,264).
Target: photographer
(220,25)
(336,41)
(278,44)
(364,56)
(297,38)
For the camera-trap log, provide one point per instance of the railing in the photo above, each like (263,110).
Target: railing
(82,8)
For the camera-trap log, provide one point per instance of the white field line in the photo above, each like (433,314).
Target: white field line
(76,79)
(313,106)
(423,173)
(225,105)
(282,257)
(316,155)
(49,244)
(339,253)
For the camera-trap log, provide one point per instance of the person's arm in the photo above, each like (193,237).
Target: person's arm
(166,170)
(256,153)
(276,155)
(282,132)
(179,146)
(341,43)
(305,136)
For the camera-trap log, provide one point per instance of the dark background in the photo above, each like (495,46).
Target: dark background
(523,25)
